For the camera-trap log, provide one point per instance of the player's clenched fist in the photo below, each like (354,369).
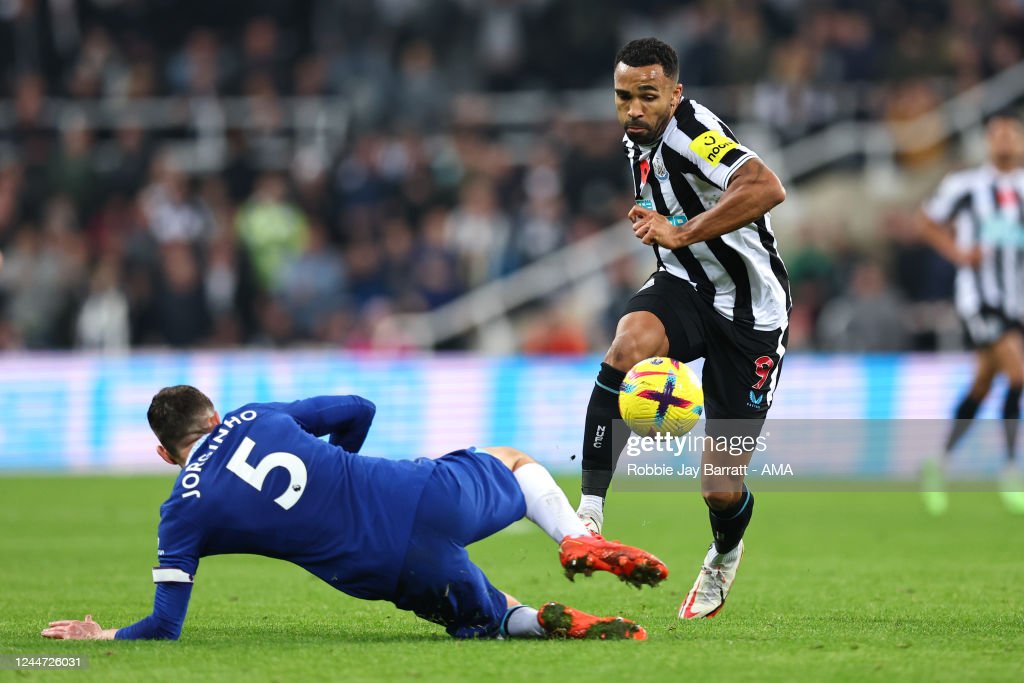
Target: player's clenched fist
(653,228)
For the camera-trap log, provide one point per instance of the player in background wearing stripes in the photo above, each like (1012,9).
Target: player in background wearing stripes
(984,206)
(263,482)
(720,292)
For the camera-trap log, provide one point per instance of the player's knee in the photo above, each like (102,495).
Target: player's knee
(520,459)
(639,336)
(513,458)
(981,385)
(1014,371)
(722,500)
(979,390)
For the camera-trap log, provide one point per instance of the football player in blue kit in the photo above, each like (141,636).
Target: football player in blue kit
(262,481)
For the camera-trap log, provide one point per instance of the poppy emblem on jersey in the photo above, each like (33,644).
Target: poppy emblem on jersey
(660,172)
(645,169)
(1006,197)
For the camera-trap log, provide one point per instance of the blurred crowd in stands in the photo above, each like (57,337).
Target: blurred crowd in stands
(129,221)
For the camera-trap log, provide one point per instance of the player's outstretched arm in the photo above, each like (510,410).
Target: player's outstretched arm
(752,192)
(346,418)
(170,605)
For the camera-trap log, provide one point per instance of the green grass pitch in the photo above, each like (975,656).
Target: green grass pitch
(842,586)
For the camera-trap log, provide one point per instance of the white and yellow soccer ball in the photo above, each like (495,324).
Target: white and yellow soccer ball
(661,396)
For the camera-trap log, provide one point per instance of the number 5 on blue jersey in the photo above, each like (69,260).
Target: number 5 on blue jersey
(255,476)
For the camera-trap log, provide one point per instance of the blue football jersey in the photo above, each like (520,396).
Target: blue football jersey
(262,482)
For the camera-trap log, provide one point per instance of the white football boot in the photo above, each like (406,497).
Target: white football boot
(708,594)
(933,487)
(1011,489)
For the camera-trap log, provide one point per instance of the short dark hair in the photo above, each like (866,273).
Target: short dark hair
(1005,113)
(177,413)
(646,51)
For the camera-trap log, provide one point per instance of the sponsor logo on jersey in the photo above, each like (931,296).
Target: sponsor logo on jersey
(676,219)
(660,172)
(755,400)
(712,146)
(709,194)
(997,231)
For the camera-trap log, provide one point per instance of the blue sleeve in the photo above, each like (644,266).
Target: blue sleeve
(346,418)
(169,608)
(179,541)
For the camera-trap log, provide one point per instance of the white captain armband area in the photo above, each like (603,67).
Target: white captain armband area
(171,575)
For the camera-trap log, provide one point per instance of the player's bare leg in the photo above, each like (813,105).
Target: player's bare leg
(639,335)
(1009,353)
(934,492)
(579,551)
(730,506)
(520,621)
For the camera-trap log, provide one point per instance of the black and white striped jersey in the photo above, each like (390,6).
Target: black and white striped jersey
(684,174)
(986,209)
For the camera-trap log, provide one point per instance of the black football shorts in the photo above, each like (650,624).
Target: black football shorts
(741,364)
(987,326)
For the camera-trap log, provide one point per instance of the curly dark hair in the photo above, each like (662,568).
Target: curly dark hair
(645,51)
(177,413)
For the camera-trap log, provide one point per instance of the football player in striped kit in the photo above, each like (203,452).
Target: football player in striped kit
(720,292)
(976,220)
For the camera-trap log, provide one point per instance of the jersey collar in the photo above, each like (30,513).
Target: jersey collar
(195,447)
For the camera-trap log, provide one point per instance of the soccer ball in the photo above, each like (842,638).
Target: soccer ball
(661,395)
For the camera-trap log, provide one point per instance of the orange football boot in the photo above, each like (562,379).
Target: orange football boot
(561,621)
(588,554)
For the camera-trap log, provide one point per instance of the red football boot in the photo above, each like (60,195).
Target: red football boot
(588,554)
(560,621)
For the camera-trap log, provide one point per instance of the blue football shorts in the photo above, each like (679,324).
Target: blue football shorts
(470,495)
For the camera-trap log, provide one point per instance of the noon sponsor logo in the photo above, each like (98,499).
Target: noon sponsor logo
(712,146)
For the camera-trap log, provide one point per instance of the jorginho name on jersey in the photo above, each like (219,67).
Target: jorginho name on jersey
(263,483)
(682,175)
